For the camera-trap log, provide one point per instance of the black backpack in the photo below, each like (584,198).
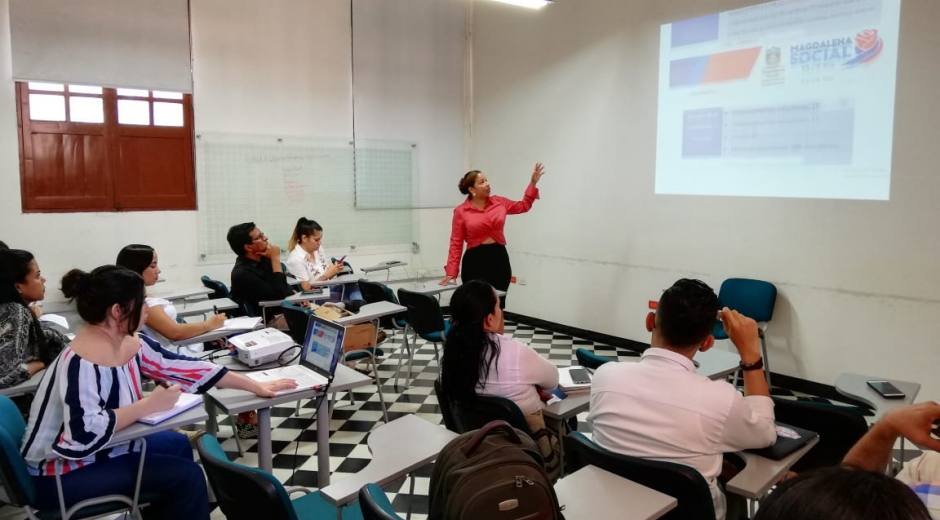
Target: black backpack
(495,473)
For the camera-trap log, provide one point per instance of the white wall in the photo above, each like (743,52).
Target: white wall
(259,68)
(574,85)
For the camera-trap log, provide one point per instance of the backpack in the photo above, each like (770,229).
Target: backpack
(495,473)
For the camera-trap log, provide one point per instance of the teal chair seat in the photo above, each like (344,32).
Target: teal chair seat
(355,355)
(246,493)
(375,504)
(436,337)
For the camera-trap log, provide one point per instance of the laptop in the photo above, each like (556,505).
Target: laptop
(789,439)
(322,349)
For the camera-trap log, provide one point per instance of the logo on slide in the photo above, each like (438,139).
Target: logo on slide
(868,46)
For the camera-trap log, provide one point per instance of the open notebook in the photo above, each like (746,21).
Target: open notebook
(185,402)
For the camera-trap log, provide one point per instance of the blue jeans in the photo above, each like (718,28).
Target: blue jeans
(169,471)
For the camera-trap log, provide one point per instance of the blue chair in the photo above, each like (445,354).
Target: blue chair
(220,290)
(246,493)
(17,484)
(425,317)
(588,359)
(754,299)
(297,320)
(373,292)
(684,483)
(375,505)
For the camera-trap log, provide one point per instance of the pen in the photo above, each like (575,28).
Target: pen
(164,384)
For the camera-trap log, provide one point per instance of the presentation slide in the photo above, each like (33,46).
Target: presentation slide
(793,98)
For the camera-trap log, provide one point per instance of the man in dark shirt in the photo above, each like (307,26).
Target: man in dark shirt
(257,275)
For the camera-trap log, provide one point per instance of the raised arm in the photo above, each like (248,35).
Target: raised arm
(531,193)
(915,423)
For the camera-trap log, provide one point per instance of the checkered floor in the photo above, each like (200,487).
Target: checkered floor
(294,437)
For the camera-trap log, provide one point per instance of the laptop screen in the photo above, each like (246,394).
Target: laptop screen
(323,345)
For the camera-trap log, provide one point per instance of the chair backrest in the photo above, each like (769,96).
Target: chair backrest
(297,320)
(219,290)
(443,402)
(243,493)
(373,292)
(15,481)
(588,359)
(839,428)
(375,505)
(424,311)
(684,483)
(752,298)
(482,410)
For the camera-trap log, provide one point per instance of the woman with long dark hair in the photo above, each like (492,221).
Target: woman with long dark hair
(479,359)
(26,344)
(161,315)
(93,389)
(479,222)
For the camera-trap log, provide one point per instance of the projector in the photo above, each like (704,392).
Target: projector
(261,346)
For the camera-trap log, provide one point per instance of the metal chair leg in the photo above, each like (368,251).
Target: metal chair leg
(238,442)
(378,386)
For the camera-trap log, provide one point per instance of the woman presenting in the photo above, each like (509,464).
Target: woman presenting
(479,222)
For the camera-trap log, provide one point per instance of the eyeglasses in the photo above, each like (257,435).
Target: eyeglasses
(260,237)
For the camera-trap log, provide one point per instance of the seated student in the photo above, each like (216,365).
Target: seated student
(257,275)
(841,493)
(922,474)
(27,345)
(479,359)
(95,391)
(161,313)
(308,262)
(660,408)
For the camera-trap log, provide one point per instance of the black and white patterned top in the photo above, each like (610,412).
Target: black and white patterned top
(19,343)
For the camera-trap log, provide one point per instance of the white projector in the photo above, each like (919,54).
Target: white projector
(261,346)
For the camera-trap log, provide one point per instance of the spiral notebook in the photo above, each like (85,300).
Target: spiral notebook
(185,402)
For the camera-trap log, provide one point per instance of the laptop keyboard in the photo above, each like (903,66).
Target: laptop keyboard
(304,377)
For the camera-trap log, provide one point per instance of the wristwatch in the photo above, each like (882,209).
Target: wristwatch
(25,368)
(757,365)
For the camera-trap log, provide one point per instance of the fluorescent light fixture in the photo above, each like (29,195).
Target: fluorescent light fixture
(531,4)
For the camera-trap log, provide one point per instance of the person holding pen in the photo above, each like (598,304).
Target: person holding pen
(93,389)
(161,315)
(479,222)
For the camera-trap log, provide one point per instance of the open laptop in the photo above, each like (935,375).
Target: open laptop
(322,348)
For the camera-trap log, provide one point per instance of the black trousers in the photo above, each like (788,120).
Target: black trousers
(488,262)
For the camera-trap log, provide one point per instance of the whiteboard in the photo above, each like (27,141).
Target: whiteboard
(273,181)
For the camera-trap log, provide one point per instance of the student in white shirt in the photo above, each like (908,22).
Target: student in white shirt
(660,408)
(308,262)
(161,317)
(479,359)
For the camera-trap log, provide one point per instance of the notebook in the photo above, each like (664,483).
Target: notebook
(322,348)
(185,402)
(789,439)
(566,384)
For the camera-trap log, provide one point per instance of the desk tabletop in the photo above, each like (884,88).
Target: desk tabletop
(320,294)
(26,387)
(856,386)
(717,364)
(397,448)
(205,307)
(382,266)
(336,280)
(234,401)
(186,292)
(138,430)
(592,492)
(568,407)
(371,311)
(760,473)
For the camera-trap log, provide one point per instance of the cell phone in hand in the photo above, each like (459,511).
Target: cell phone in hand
(579,376)
(886,389)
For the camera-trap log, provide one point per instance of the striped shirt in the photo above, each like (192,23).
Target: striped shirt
(72,417)
(929,493)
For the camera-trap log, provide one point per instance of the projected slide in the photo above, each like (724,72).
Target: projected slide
(793,98)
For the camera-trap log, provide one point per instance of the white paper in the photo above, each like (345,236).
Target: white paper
(185,402)
(245,323)
(56,319)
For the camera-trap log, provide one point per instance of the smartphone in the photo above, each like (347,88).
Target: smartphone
(579,376)
(341,259)
(886,389)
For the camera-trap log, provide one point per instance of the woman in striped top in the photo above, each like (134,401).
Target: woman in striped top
(94,390)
